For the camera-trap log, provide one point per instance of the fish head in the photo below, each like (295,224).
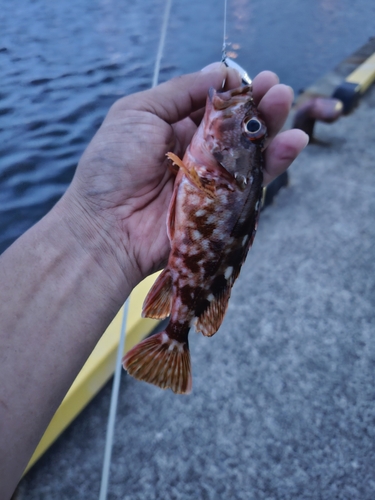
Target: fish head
(234,131)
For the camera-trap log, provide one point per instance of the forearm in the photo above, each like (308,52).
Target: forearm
(57,296)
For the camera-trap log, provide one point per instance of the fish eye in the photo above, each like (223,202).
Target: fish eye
(255,130)
(253,126)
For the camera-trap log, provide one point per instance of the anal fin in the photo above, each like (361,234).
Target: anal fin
(158,302)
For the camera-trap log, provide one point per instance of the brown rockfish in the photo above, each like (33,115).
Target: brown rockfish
(211,225)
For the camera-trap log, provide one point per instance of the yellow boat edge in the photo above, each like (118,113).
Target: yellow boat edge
(99,367)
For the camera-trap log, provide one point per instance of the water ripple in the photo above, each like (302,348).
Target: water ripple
(63,64)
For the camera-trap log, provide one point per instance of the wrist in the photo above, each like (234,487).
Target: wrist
(91,238)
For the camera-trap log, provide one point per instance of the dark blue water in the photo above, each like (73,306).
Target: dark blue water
(62,64)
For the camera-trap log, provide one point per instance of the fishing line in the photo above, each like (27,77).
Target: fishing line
(121,346)
(224,51)
(246,80)
(161,43)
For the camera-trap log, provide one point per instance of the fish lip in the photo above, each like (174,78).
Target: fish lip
(230,98)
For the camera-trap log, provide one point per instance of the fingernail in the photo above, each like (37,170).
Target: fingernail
(307,139)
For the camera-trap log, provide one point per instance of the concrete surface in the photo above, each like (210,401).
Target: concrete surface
(283,402)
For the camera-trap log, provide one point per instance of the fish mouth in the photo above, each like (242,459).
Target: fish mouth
(223,100)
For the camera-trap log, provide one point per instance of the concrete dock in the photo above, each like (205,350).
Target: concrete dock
(283,402)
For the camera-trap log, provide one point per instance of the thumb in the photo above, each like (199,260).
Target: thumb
(176,99)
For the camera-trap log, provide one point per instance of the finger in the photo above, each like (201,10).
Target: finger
(178,98)
(197,116)
(233,79)
(275,107)
(262,84)
(184,131)
(282,151)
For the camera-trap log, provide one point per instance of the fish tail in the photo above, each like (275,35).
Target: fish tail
(162,361)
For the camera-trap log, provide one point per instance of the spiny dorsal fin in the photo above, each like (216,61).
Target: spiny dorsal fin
(158,302)
(161,361)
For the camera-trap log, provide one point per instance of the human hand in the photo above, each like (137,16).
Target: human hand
(123,185)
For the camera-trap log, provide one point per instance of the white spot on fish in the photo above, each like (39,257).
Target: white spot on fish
(244,241)
(224,199)
(200,213)
(257,205)
(178,262)
(196,234)
(210,297)
(194,199)
(228,272)
(175,343)
(164,338)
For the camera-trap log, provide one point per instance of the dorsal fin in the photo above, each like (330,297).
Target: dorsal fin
(210,321)
(210,313)
(158,302)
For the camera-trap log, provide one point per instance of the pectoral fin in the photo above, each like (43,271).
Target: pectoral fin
(207,187)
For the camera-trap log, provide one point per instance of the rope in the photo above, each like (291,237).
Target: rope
(121,346)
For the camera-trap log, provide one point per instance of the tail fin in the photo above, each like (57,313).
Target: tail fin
(161,361)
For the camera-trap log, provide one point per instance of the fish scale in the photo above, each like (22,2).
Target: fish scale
(212,220)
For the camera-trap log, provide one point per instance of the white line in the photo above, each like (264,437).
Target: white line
(161,43)
(113,407)
(223,54)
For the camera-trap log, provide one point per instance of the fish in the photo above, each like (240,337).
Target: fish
(211,225)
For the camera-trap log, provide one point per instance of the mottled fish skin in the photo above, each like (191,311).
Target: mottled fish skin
(211,224)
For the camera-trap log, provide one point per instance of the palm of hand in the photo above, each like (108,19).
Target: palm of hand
(128,185)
